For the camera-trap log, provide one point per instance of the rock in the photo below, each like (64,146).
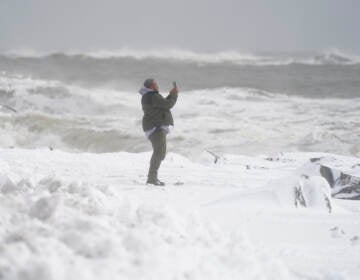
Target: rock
(314,192)
(327,174)
(344,185)
(341,175)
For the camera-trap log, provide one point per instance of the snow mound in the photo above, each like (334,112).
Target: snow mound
(303,188)
(285,193)
(53,229)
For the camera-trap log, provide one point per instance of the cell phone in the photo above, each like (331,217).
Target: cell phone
(174,84)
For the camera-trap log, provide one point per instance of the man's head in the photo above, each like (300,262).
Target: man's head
(152,84)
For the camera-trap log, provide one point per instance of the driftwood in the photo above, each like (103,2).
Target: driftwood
(216,157)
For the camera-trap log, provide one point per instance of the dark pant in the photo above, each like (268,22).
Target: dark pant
(158,142)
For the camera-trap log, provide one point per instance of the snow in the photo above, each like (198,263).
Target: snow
(90,216)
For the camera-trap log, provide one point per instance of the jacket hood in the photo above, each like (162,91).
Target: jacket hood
(145,90)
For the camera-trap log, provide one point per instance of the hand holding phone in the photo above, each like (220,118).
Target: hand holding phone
(175,88)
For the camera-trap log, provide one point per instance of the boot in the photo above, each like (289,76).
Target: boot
(155,182)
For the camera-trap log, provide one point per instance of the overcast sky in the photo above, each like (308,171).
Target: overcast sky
(200,25)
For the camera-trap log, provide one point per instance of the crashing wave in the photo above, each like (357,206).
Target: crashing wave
(332,57)
(74,118)
(335,57)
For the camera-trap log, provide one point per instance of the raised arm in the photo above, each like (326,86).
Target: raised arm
(165,103)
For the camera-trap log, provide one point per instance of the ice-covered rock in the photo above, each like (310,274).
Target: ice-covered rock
(342,175)
(314,192)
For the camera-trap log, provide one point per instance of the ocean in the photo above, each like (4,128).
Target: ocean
(229,102)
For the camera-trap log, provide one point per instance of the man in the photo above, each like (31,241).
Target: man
(156,121)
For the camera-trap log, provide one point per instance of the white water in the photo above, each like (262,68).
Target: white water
(233,120)
(327,57)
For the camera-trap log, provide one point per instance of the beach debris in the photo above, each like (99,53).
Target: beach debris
(337,232)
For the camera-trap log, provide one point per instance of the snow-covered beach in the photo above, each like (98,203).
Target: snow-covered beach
(262,171)
(179,140)
(90,216)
